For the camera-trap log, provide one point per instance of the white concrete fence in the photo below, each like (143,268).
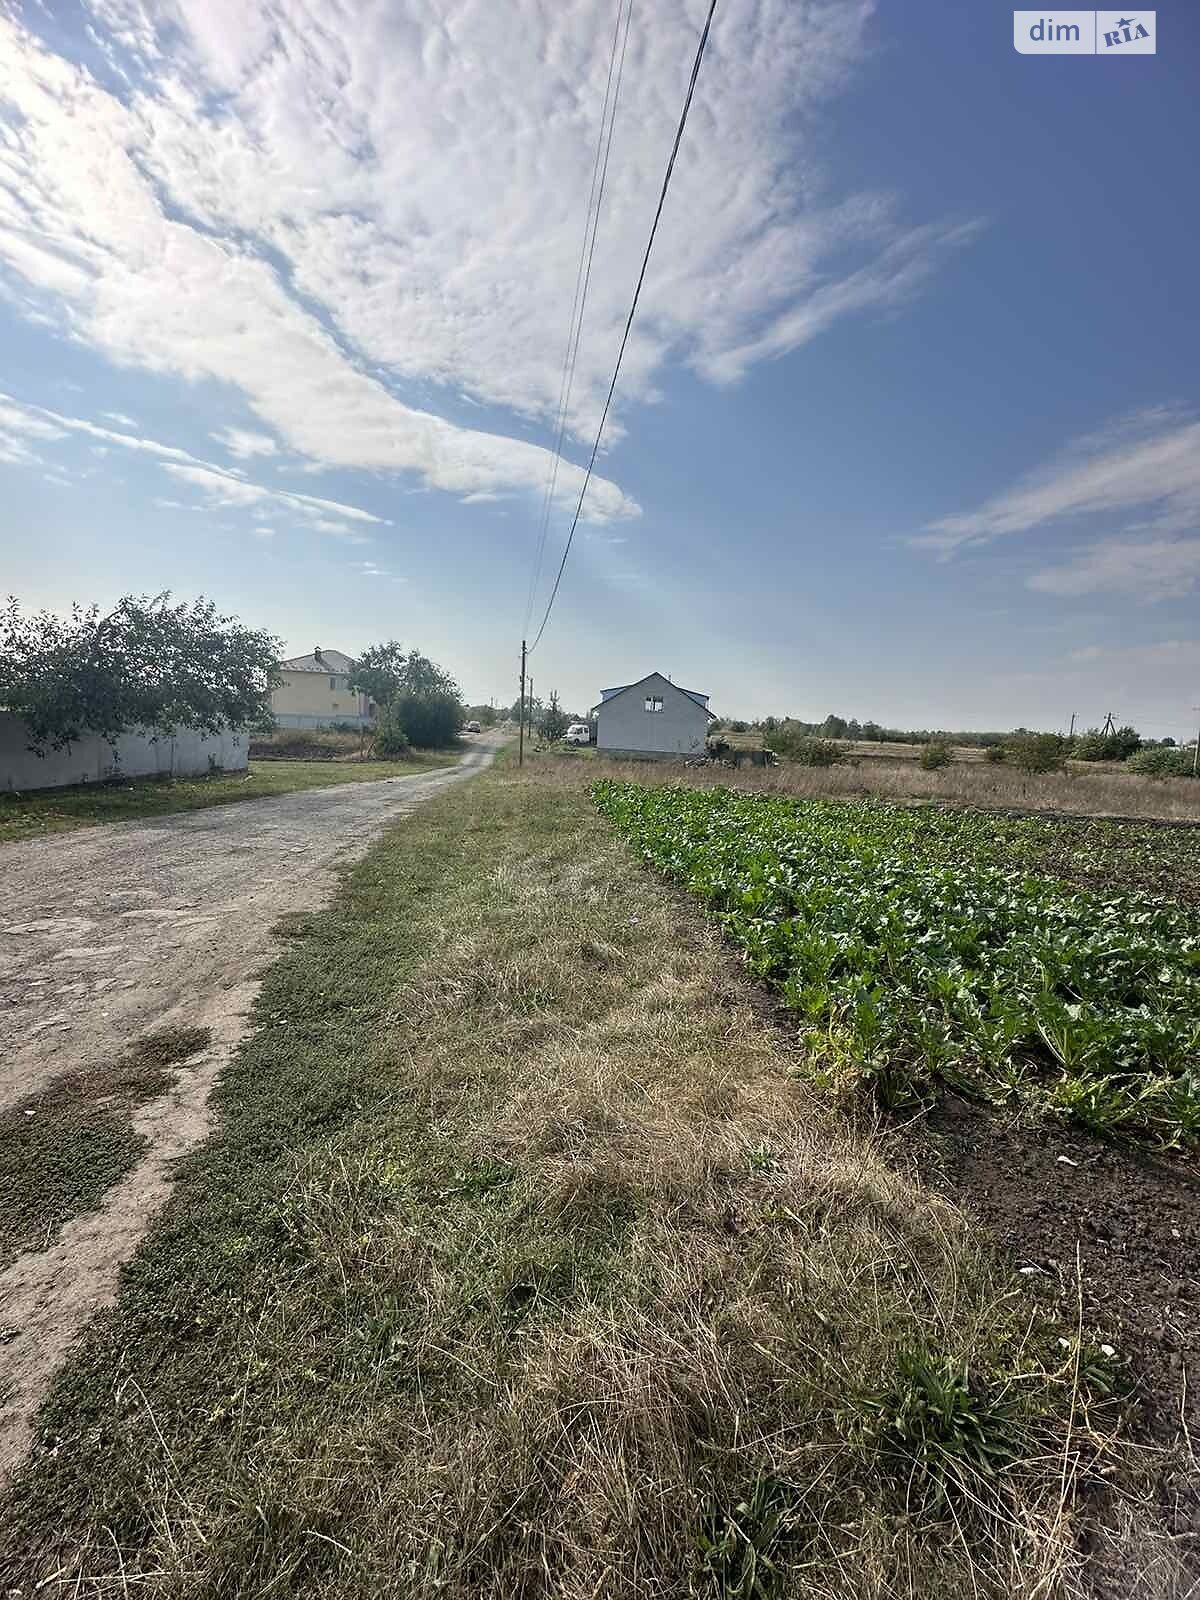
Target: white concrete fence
(136,754)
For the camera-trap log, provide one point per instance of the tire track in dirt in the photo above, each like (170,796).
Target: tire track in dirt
(109,932)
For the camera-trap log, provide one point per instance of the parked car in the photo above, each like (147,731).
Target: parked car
(472,727)
(578,733)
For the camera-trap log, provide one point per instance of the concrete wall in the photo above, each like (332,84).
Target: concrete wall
(303,719)
(318,697)
(625,727)
(92,760)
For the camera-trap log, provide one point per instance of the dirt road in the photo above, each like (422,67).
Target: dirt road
(110,932)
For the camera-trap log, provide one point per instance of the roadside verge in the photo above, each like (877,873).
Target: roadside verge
(524,1258)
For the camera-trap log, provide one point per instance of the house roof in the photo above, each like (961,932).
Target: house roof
(331,661)
(621,688)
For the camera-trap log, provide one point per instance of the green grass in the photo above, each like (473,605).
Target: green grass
(60,810)
(524,1261)
(916,945)
(62,1148)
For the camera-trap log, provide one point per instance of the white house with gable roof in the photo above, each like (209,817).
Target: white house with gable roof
(652,718)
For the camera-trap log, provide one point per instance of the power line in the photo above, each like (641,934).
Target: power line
(583,278)
(687,104)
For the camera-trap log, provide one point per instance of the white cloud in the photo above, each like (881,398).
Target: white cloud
(16,418)
(370,569)
(263,533)
(120,418)
(1176,655)
(1150,460)
(223,490)
(222,486)
(17,428)
(294,199)
(243,443)
(1137,569)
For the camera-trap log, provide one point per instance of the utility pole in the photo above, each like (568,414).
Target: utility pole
(521,734)
(1109,726)
(1071,735)
(1196,751)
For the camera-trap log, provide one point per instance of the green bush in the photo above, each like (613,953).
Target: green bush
(1095,745)
(1035,752)
(934,755)
(818,753)
(391,740)
(993,753)
(430,721)
(1161,762)
(803,748)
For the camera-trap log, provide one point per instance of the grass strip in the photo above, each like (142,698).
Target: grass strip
(29,816)
(62,1149)
(522,1262)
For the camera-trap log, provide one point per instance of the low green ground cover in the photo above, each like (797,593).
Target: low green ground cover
(916,945)
(63,1148)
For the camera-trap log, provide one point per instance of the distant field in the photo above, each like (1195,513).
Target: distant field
(28,816)
(891,772)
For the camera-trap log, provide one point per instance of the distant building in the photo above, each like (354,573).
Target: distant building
(316,692)
(652,717)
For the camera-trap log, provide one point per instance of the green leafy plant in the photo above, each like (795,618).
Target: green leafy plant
(738,1544)
(913,955)
(934,755)
(939,1433)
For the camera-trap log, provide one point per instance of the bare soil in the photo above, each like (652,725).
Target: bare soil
(1117,1229)
(113,931)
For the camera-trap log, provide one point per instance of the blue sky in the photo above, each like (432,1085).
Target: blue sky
(909,427)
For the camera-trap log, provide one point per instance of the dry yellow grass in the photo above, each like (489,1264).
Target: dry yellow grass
(1082,790)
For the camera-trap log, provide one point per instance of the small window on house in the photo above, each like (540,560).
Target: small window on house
(333,683)
(653,703)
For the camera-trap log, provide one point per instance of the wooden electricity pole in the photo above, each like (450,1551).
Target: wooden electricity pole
(521,734)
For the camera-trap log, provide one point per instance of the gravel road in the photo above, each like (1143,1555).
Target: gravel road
(110,932)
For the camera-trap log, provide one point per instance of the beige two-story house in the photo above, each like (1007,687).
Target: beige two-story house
(316,692)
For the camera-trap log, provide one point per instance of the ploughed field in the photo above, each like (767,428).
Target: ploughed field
(1054,966)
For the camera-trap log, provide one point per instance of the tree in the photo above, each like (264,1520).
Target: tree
(833,728)
(379,672)
(554,718)
(933,755)
(430,721)
(146,664)
(385,671)
(415,693)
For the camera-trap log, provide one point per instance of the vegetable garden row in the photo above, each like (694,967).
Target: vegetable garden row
(910,954)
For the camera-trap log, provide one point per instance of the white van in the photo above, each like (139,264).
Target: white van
(578,733)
